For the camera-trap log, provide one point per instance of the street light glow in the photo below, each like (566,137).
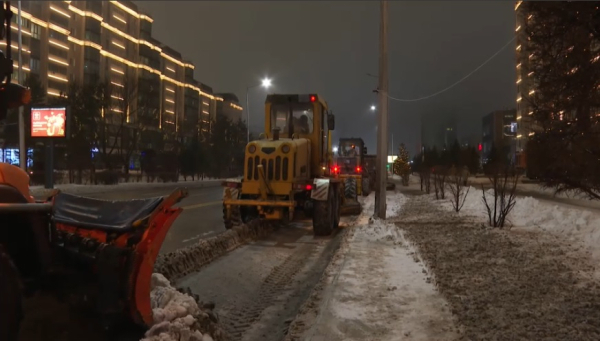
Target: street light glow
(373,108)
(335,149)
(266,82)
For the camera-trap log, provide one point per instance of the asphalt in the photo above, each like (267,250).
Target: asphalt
(202,214)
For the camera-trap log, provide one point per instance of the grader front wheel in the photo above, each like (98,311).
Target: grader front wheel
(234,218)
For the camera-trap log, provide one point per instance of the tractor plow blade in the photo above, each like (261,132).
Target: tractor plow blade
(351,207)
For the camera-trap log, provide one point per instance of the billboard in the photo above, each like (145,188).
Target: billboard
(48,122)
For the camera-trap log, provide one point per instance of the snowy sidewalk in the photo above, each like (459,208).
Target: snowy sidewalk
(376,289)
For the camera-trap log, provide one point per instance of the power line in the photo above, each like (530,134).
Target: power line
(457,82)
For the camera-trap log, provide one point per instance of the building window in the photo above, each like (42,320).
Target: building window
(35,31)
(92,36)
(34,64)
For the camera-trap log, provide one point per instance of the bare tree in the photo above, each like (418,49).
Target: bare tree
(440,173)
(457,185)
(503,182)
(129,110)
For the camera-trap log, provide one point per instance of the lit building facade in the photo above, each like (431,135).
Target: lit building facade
(230,107)
(526,126)
(111,42)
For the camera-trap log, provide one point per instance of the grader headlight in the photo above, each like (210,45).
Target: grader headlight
(252,149)
(285,148)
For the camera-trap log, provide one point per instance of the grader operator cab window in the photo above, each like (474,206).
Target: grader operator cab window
(302,116)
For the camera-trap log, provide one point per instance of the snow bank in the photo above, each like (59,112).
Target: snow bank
(394,201)
(178,317)
(89,189)
(580,225)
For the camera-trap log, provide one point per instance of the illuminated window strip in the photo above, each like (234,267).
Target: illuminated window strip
(170,111)
(235,106)
(518,28)
(170,100)
(170,90)
(59,11)
(56,60)
(117,84)
(168,68)
(116,97)
(25,68)
(15,47)
(59,29)
(120,19)
(205,112)
(117,44)
(518,118)
(53,42)
(58,78)
(132,12)
(117,110)
(52,93)
(117,71)
(127,36)
(205,103)
(142,66)
(519,80)
(22,30)
(518,4)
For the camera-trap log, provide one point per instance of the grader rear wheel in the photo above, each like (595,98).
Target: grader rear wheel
(324,214)
(11,311)
(350,188)
(366,187)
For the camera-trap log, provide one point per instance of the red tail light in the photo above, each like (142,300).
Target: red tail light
(308,187)
(313,98)
(336,169)
(358,169)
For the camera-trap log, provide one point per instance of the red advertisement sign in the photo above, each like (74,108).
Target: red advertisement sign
(48,122)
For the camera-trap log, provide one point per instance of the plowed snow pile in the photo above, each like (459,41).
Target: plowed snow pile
(377,289)
(178,317)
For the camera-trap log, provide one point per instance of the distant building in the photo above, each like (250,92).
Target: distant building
(230,107)
(499,129)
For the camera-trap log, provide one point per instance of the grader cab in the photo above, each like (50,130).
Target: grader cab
(290,168)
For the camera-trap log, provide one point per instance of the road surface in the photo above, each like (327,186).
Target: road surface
(259,288)
(202,214)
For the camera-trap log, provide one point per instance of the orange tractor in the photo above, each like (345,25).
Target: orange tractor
(102,252)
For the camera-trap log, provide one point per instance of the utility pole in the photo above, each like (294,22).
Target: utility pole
(247,114)
(22,149)
(380,202)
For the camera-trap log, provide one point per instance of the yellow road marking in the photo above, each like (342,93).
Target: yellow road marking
(204,204)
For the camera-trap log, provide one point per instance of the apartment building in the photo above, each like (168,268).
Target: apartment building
(229,107)
(526,126)
(111,42)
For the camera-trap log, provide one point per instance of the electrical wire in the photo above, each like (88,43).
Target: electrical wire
(457,82)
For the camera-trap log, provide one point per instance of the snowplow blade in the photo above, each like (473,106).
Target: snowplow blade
(351,207)
(111,247)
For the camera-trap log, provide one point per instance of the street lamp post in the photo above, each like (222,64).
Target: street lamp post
(265,83)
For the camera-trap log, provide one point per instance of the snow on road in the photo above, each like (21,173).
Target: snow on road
(377,289)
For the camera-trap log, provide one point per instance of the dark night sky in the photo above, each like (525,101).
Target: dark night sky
(329,46)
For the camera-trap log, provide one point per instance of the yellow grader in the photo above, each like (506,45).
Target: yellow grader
(290,168)
(350,166)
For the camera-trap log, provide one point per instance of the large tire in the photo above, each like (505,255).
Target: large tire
(350,188)
(324,214)
(234,220)
(366,187)
(11,309)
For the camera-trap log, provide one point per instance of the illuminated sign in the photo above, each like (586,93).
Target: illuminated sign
(48,122)
(391,158)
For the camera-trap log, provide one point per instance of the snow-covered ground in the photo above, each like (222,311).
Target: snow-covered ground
(378,289)
(576,225)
